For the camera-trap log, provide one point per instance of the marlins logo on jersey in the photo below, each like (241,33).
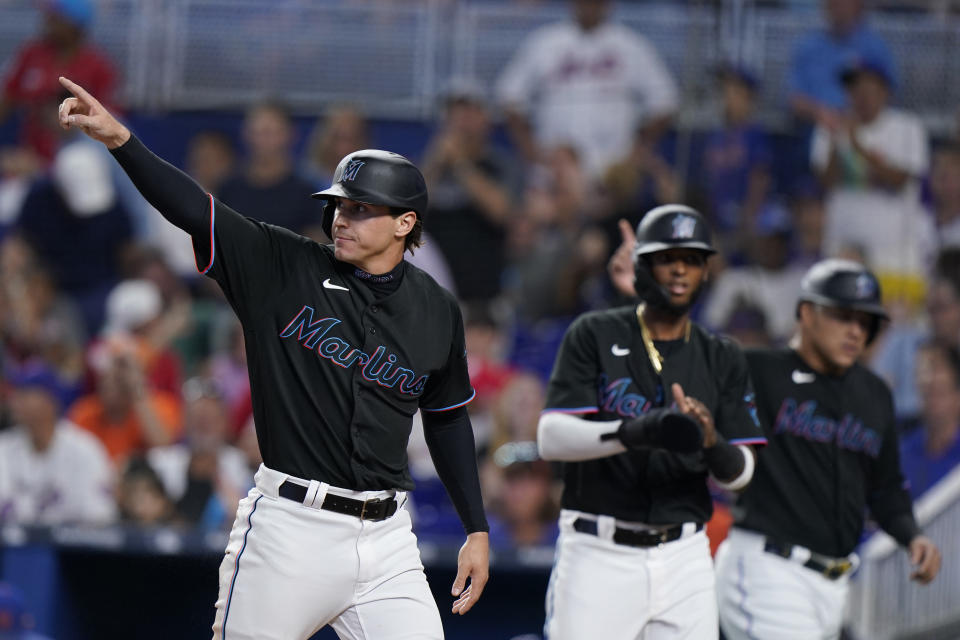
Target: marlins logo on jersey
(684,226)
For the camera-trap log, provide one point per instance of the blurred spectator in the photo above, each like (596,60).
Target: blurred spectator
(340,131)
(141,497)
(517,410)
(211,159)
(267,187)
(228,366)
(557,262)
(31,85)
(16,621)
(247,443)
(587,82)
(525,511)
(124,411)
(18,169)
(894,358)
(135,315)
(943,300)
(51,472)
(430,258)
(204,476)
(746,324)
(736,159)
(945,193)
(930,452)
(515,414)
(184,325)
(487,363)
(816,93)
(807,211)
(870,163)
(78,228)
(471,187)
(638,182)
(769,280)
(551,254)
(36,320)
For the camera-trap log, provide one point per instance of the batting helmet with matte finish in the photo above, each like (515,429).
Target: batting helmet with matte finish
(375,177)
(842,283)
(672,226)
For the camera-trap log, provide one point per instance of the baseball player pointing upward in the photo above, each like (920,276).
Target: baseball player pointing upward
(345,343)
(642,404)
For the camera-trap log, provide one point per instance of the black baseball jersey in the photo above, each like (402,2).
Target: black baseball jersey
(602,370)
(833,449)
(337,373)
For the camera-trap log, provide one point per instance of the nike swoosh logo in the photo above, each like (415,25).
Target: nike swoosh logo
(329,285)
(619,351)
(802,377)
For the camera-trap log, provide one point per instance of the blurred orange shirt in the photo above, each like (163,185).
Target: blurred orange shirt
(125,437)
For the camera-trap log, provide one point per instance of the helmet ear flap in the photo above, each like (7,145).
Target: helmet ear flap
(326,219)
(646,286)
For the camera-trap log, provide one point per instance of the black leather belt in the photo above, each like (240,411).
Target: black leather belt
(631,537)
(832,568)
(377,509)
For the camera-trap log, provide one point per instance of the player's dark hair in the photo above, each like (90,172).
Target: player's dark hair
(413,240)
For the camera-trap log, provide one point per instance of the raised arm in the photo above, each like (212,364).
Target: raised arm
(172,192)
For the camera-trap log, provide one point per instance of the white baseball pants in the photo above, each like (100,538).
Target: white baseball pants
(601,589)
(292,568)
(763,596)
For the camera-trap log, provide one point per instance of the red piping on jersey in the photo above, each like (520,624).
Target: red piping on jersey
(210,264)
(748,441)
(453,406)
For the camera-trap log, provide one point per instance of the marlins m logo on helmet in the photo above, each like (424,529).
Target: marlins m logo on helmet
(351,170)
(684,226)
(865,286)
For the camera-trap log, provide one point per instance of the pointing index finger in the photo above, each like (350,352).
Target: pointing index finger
(79,92)
(678,396)
(626,232)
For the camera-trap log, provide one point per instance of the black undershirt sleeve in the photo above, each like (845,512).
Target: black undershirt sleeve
(888,498)
(172,192)
(449,437)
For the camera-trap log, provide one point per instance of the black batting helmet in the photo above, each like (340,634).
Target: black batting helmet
(375,177)
(844,284)
(670,226)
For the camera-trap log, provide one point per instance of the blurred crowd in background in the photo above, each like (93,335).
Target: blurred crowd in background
(125,395)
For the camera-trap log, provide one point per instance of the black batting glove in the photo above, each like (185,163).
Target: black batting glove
(661,429)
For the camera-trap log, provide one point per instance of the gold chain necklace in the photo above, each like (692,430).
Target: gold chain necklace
(652,352)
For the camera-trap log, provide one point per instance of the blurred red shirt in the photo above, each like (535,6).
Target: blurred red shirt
(32,83)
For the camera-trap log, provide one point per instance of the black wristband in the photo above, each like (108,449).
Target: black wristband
(724,460)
